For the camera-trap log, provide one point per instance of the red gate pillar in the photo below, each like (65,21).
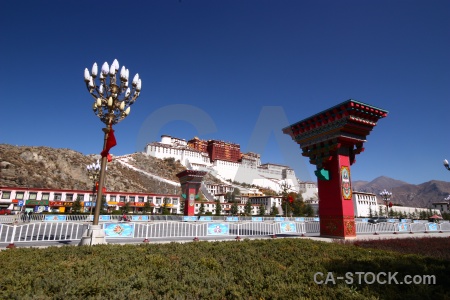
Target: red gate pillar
(190,184)
(331,139)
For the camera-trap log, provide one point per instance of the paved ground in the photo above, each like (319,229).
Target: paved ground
(39,244)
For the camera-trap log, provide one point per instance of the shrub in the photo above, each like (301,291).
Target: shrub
(249,269)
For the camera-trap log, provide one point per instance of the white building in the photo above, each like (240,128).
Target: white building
(268,202)
(309,191)
(54,200)
(442,206)
(364,204)
(248,170)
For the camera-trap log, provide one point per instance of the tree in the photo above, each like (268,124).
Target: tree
(234,209)
(262,210)
(182,205)
(147,207)
(104,205)
(76,207)
(229,197)
(201,210)
(126,208)
(248,208)
(380,208)
(309,211)
(274,210)
(165,207)
(218,208)
(298,207)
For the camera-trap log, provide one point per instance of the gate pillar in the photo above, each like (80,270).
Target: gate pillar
(331,139)
(190,181)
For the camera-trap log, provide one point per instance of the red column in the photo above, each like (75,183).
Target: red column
(189,204)
(336,206)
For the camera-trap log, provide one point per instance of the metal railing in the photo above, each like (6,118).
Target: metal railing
(24,218)
(35,231)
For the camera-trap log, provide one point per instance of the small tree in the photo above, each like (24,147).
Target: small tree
(262,210)
(126,208)
(147,207)
(274,210)
(218,208)
(182,205)
(104,205)
(165,206)
(234,209)
(309,211)
(248,208)
(229,197)
(298,207)
(201,210)
(76,207)
(380,208)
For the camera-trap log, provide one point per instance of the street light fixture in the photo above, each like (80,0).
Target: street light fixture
(93,171)
(446,165)
(112,101)
(386,197)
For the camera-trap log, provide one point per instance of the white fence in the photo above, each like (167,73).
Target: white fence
(23,218)
(402,227)
(42,231)
(73,231)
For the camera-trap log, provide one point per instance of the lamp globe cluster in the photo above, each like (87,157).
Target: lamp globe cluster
(112,97)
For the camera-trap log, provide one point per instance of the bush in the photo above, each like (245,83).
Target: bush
(249,269)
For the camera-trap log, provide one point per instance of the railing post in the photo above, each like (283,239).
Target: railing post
(303,228)
(11,243)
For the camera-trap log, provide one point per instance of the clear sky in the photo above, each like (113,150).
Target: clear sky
(236,71)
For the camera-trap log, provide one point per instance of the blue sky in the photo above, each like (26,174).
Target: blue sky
(234,71)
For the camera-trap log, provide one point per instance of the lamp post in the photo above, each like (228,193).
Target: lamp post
(93,171)
(386,197)
(112,100)
(446,165)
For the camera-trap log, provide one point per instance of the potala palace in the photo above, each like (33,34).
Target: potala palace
(225,161)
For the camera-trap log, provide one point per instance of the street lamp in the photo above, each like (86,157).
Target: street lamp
(446,165)
(386,196)
(93,171)
(112,101)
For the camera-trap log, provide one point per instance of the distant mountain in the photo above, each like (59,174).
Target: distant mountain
(377,185)
(405,194)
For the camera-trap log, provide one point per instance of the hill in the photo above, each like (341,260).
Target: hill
(45,167)
(405,194)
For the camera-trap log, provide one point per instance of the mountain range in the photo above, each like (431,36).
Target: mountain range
(405,194)
(45,167)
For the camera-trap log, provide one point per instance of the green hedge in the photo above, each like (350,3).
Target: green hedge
(257,269)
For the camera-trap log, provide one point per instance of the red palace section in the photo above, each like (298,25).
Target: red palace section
(331,139)
(217,149)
